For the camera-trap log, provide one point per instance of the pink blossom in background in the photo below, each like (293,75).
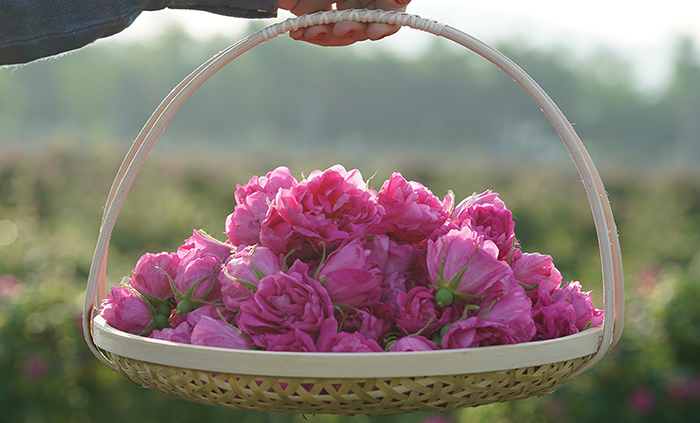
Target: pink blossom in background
(211,332)
(350,342)
(252,204)
(181,334)
(35,367)
(586,313)
(537,273)
(126,311)
(418,311)
(487,215)
(285,302)
(244,266)
(148,278)
(477,332)
(684,389)
(413,343)
(411,211)
(642,400)
(322,211)
(460,249)
(349,277)
(194,269)
(10,286)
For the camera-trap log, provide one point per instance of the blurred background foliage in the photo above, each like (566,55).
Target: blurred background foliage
(446,119)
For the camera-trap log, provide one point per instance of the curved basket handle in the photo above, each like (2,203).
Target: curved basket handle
(611,258)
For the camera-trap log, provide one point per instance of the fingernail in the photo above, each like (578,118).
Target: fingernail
(320,37)
(350,34)
(402,2)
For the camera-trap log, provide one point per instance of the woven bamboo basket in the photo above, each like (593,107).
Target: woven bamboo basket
(355,383)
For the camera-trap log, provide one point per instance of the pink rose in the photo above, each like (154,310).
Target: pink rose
(202,244)
(372,322)
(511,308)
(536,273)
(197,275)
(149,277)
(487,215)
(350,278)
(321,212)
(211,311)
(411,211)
(477,332)
(465,262)
(179,334)
(252,203)
(285,302)
(392,257)
(294,340)
(586,313)
(392,285)
(418,311)
(125,310)
(554,319)
(413,343)
(217,333)
(351,342)
(243,271)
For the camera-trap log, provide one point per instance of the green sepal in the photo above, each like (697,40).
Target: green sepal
(457,278)
(323,261)
(184,306)
(529,288)
(284,261)
(163,309)
(218,311)
(161,322)
(242,282)
(444,297)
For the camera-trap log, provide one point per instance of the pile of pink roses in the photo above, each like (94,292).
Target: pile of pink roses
(327,265)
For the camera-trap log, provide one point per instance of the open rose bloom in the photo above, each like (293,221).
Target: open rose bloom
(326,264)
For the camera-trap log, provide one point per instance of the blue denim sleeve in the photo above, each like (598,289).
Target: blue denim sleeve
(32,29)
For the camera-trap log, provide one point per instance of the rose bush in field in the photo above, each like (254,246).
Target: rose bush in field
(326,264)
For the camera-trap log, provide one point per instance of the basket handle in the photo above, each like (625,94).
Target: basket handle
(611,258)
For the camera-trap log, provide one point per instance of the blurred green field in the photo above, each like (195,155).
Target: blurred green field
(51,203)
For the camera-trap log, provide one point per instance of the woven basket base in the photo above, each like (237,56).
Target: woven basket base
(348,396)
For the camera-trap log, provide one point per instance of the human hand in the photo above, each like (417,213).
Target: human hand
(342,33)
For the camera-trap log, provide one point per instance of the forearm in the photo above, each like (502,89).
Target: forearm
(31,29)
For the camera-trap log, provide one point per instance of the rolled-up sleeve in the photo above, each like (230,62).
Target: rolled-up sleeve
(32,29)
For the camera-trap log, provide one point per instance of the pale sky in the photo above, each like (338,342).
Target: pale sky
(641,34)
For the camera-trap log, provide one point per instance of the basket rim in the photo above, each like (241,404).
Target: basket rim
(346,365)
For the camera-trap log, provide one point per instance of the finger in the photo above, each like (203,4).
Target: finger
(398,5)
(377,31)
(287,4)
(325,37)
(349,30)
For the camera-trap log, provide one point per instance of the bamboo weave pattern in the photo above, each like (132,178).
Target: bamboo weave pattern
(349,396)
